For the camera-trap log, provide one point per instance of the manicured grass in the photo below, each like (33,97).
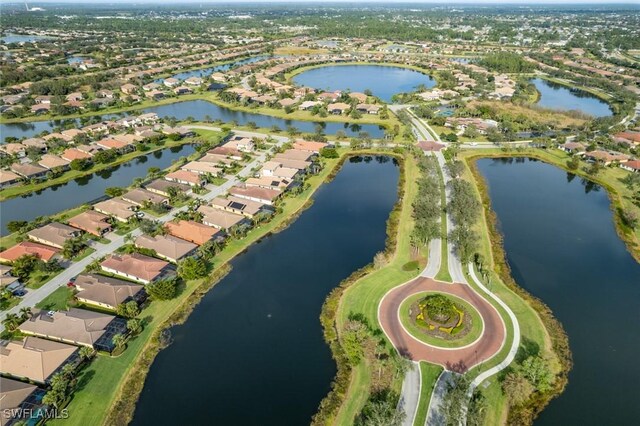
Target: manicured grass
(429,375)
(417,331)
(106,376)
(56,301)
(364,296)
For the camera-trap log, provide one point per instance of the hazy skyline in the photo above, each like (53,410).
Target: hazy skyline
(353,2)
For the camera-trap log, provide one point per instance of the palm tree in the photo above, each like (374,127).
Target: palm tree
(118,340)
(11,321)
(86,352)
(134,326)
(25,313)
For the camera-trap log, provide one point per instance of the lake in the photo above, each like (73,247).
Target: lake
(384,81)
(559,97)
(201,110)
(85,189)
(23,38)
(562,247)
(252,352)
(206,72)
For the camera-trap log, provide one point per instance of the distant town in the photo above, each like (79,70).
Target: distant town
(373,214)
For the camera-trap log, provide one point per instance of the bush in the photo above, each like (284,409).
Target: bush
(163,289)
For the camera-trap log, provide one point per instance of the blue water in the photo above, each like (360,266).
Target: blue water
(563,98)
(206,72)
(19,38)
(383,81)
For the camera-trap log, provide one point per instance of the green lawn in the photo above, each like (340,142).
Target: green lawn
(56,301)
(417,331)
(429,375)
(103,380)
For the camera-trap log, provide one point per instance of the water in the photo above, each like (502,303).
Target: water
(562,247)
(252,351)
(384,81)
(201,110)
(85,189)
(23,38)
(34,128)
(76,59)
(206,72)
(559,97)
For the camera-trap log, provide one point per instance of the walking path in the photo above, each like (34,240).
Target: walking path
(410,394)
(435,416)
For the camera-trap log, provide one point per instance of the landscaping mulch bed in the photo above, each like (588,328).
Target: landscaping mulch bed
(465,327)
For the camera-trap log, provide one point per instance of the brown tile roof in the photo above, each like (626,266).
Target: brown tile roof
(71,154)
(185,176)
(162,186)
(50,161)
(136,265)
(296,154)
(34,358)
(79,326)
(105,290)
(12,394)
(309,146)
(140,196)
(191,231)
(219,218)
(166,246)
(28,170)
(45,253)
(254,192)
(91,221)
(121,209)
(238,205)
(54,234)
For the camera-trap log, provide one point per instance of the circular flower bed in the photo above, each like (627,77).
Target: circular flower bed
(440,316)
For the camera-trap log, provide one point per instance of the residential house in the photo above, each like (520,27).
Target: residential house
(8,178)
(182,90)
(29,170)
(161,186)
(186,178)
(137,267)
(14,149)
(632,166)
(274,169)
(112,143)
(128,88)
(253,193)
(34,359)
(44,253)
(53,234)
(575,148)
(8,281)
(368,108)
(107,292)
(76,326)
(269,182)
(194,232)
(201,168)
(142,197)
(36,143)
(242,144)
(53,162)
(338,108)
(71,154)
(226,151)
(171,82)
(92,222)
(40,108)
(18,400)
(307,105)
(237,205)
(309,146)
(605,157)
(167,247)
(220,219)
(119,209)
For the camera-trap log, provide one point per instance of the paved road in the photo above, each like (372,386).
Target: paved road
(410,394)
(453,359)
(33,297)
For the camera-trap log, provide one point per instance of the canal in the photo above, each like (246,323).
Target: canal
(252,351)
(559,97)
(384,81)
(562,247)
(85,189)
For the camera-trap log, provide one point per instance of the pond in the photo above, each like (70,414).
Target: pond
(23,38)
(85,189)
(206,72)
(252,352)
(559,97)
(562,247)
(201,110)
(384,81)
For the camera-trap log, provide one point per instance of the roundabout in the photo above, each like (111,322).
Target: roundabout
(421,316)
(468,344)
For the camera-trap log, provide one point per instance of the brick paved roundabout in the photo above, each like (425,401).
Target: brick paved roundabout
(453,359)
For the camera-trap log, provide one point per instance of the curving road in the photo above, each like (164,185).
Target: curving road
(453,359)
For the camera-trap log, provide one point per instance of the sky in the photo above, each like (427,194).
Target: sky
(317,2)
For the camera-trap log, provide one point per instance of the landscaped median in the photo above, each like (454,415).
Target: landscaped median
(111,385)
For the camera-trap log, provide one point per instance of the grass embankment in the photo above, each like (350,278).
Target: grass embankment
(419,332)
(111,385)
(429,374)
(16,191)
(529,114)
(363,294)
(541,333)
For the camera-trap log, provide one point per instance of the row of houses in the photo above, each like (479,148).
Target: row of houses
(603,157)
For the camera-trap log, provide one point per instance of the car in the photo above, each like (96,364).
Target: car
(71,284)
(19,293)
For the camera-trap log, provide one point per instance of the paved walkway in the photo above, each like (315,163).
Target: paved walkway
(410,394)
(452,359)
(435,415)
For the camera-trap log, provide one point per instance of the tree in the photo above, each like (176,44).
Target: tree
(72,247)
(11,321)
(114,191)
(86,353)
(629,218)
(380,410)
(16,225)
(455,168)
(118,340)
(129,309)
(573,163)
(24,265)
(455,400)
(163,289)
(516,388)
(134,326)
(537,372)
(327,152)
(192,268)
